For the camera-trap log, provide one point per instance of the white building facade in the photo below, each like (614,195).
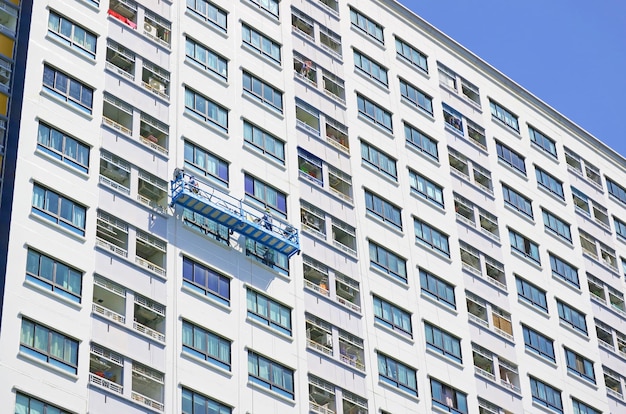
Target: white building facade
(323,206)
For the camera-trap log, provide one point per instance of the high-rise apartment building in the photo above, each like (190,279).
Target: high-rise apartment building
(296,206)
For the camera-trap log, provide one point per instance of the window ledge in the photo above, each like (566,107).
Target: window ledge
(424,199)
(271,393)
(545,153)
(268,159)
(391,227)
(583,380)
(90,4)
(88,117)
(520,174)
(545,409)
(369,37)
(52,295)
(395,333)
(263,266)
(443,306)
(273,18)
(208,124)
(361,73)
(466,179)
(522,256)
(45,365)
(536,309)
(422,154)
(511,130)
(62,164)
(556,236)
(406,394)
(444,358)
(415,107)
(551,194)
(206,298)
(524,216)
(207,364)
(392,278)
(266,108)
(380,173)
(567,284)
(373,124)
(574,330)
(53,38)
(415,68)
(55,226)
(269,329)
(205,22)
(541,358)
(257,53)
(427,247)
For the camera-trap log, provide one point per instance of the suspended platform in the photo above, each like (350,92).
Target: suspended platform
(230,212)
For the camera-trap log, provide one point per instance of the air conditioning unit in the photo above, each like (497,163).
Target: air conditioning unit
(148,28)
(156,85)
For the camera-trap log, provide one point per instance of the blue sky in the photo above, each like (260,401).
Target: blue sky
(569,53)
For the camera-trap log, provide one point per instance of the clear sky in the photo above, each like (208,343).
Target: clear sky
(569,53)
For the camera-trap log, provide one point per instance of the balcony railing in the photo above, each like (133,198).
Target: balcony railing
(147,401)
(148,331)
(105,383)
(109,314)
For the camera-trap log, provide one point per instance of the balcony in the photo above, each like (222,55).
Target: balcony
(109,300)
(151,253)
(147,387)
(125,11)
(112,234)
(106,369)
(153,133)
(117,115)
(277,234)
(149,318)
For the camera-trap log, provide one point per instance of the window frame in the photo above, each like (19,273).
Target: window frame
(84,102)
(572,317)
(195,399)
(220,66)
(262,91)
(431,237)
(221,173)
(393,317)
(371,68)
(427,279)
(549,182)
(443,342)
(504,116)
(542,141)
(615,190)
(531,294)
(447,398)
(573,359)
(545,395)
(411,55)
(62,154)
(57,217)
(383,209)
(220,293)
(374,155)
(68,363)
(374,113)
(209,107)
(399,273)
(537,343)
(416,96)
(568,270)
(556,225)
(524,246)
(71,38)
(264,313)
(54,284)
(272,7)
(198,334)
(253,183)
(419,140)
(273,368)
(41,405)
(511,158)
(210,9)
(248,36)
(393,370)
(265,149)
(427,189)
(507,191)
(366,25)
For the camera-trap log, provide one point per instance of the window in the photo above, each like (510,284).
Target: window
(205,58)
(443,342)
(195,403)
(270,374)
(421,141)
(563,270)
(206,345)
(270,6)
(582,408)
(387,262)
(517,201)
(542,141)
(303,24)
(367,25)
(504,115)
(590,247)
(206,226)
(63,147)
(49,346)
(310,167)
(510,157)
(538,343)
(447,398)
(268,196)
(379,160)
(432,237)
(206,281)
(581,167)
(68,89)
(383,209)
(261,43)
(58,209)
(450,79)
(397,374)
(374,113)
(572,317)
(412,55)
(524,246)
(264,142)
(392,317)
(461,165)
(426,188)
(544,394)
(157,28)
(53,275)
(616,190)
(579,365)
(416,96)
(330,41)
(269,312)
(72,34)
(206,164)
(556,225)
(437,289)
(25,404)
(262,91)
(467,211)
(205,109)
(209,12)
(613,382)
(532,294)
(548,182)
(370,67)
